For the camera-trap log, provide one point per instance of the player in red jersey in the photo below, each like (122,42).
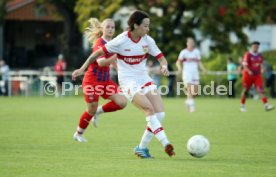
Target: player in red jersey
(252,74)
(60,67)
(96,81)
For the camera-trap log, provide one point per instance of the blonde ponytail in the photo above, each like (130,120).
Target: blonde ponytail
(94,30)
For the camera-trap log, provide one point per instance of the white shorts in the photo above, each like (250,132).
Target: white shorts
(131,86)
(190,78)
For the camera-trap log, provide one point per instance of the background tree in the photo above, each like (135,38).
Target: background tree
(173,21)
(72,37)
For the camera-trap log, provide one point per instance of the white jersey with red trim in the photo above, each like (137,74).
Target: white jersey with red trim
(132,55)
(190,60)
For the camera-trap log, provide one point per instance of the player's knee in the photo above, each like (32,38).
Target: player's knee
(92,108)
(194,93)
(160,116)
(245,92)
(148,109)
(122,103)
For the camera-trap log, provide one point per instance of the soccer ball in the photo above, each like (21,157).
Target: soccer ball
(198,146)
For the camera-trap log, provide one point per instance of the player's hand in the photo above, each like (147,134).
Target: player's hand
(164,70)
(76,73)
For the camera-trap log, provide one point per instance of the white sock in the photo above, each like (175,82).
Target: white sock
(147,136)
(80,130)
(99,110)
(157,129)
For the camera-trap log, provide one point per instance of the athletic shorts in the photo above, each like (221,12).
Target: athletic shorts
(92,91)
(190,78)
(248,81)
(131,86)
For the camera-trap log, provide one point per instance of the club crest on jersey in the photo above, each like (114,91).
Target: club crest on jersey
(145,48)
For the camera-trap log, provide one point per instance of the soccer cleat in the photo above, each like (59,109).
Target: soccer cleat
(142,153)
(169,150)
(269,107)
(79,138)
(95,120)
(242,108)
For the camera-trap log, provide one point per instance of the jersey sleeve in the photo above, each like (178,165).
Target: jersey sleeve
(98,44)
(113,46)
(198,54)
(153,48)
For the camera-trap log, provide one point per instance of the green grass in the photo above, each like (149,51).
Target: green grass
(36,140)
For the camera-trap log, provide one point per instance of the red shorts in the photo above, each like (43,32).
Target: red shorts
(92,91)
(257,80)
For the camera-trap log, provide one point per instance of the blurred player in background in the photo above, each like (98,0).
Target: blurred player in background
(60,67)
(231,77)
(189,62)
(252,74)
(4,77)
(96,81)
(132,48)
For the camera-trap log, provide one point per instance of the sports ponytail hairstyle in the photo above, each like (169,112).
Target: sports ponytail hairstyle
(94,30)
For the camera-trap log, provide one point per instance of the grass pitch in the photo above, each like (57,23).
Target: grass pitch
(36,140)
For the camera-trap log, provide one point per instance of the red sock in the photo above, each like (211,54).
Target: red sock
(243,98)
(264,100)
(111,107)
(84,120)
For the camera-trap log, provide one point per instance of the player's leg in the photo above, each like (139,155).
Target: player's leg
(60,80)
(142,102)
(191,81)
(117,101)
(247,83)
(84,121)
(192,92)
(258,82)
(159,113)
(91,100)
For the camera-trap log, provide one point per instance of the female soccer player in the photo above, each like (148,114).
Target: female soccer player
(96,81)
(188,63)
(132,48)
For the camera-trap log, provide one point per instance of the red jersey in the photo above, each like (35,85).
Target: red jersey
(95,73)
(253,62)
(60,67)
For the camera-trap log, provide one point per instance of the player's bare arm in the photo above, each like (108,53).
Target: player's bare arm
(202,67)
(179,67)
(248,70)
(164,66)
(89,60)
(106,62)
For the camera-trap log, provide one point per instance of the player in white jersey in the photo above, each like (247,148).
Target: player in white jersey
(189,61)
(132,48)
